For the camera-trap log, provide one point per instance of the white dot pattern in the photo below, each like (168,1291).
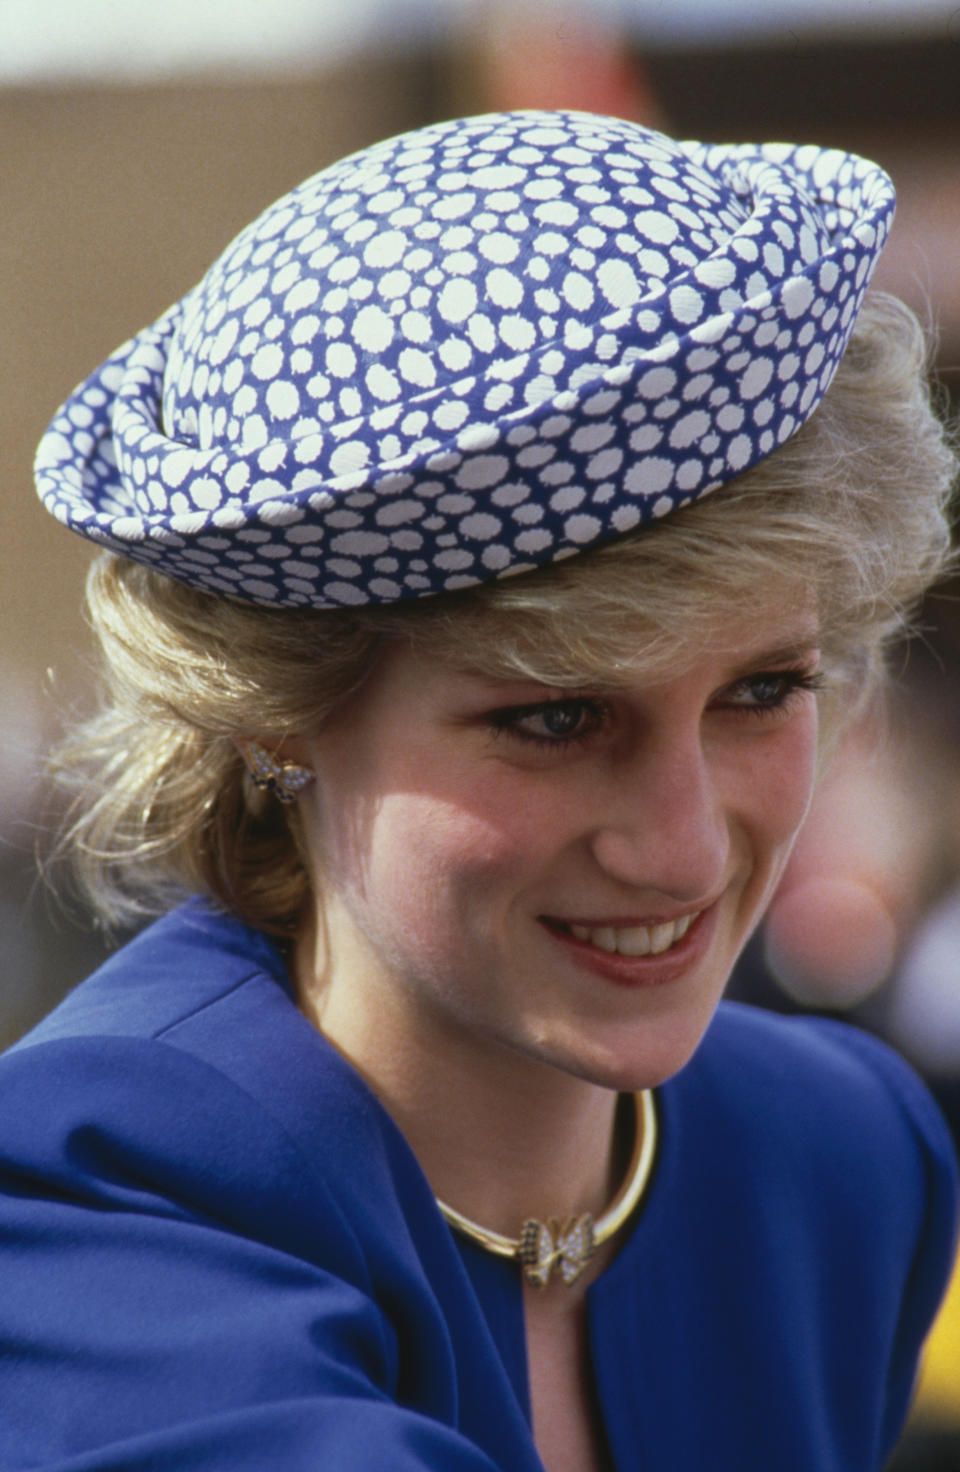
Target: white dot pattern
(468,351)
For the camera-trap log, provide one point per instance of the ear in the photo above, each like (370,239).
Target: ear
(285,780)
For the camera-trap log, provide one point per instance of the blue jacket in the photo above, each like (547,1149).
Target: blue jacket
(218,1251)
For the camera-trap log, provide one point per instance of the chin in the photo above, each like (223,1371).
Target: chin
(654,1053)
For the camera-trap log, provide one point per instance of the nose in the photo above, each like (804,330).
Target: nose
(667,824)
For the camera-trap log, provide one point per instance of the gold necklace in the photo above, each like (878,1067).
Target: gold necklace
(570,1243)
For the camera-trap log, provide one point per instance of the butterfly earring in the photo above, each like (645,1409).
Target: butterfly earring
(284,780)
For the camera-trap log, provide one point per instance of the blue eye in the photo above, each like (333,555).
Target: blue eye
(560,719)
(554,723)
(770,690)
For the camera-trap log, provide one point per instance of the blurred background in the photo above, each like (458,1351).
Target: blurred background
(137,139)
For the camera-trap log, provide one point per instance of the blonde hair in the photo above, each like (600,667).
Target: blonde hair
(850,513)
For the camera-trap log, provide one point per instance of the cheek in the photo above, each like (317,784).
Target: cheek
(782,785)
(425,863)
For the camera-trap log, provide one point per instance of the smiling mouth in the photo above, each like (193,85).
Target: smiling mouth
(631,940)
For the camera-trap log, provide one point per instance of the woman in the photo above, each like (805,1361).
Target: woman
(480,733)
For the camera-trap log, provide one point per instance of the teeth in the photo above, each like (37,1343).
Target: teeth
(661,939)
(638,941)
(635,940)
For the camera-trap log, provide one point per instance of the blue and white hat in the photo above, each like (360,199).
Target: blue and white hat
(469,351)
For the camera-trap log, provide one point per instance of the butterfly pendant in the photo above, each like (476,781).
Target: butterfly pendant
(546,1245)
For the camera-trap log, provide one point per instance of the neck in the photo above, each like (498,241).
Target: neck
(500,1136)
(501,1149)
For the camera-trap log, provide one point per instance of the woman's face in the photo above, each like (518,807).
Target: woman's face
(512,871)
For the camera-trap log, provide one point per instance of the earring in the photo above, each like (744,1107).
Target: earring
(285,780)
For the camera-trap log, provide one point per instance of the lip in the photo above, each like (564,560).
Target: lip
(636,971)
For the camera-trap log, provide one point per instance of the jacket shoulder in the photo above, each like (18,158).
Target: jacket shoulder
(826,1076)
(174,968)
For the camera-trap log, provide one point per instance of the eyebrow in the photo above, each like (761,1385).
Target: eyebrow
(805,643)
(781,653)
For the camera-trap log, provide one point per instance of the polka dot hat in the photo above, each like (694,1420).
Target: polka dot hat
(469,351)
